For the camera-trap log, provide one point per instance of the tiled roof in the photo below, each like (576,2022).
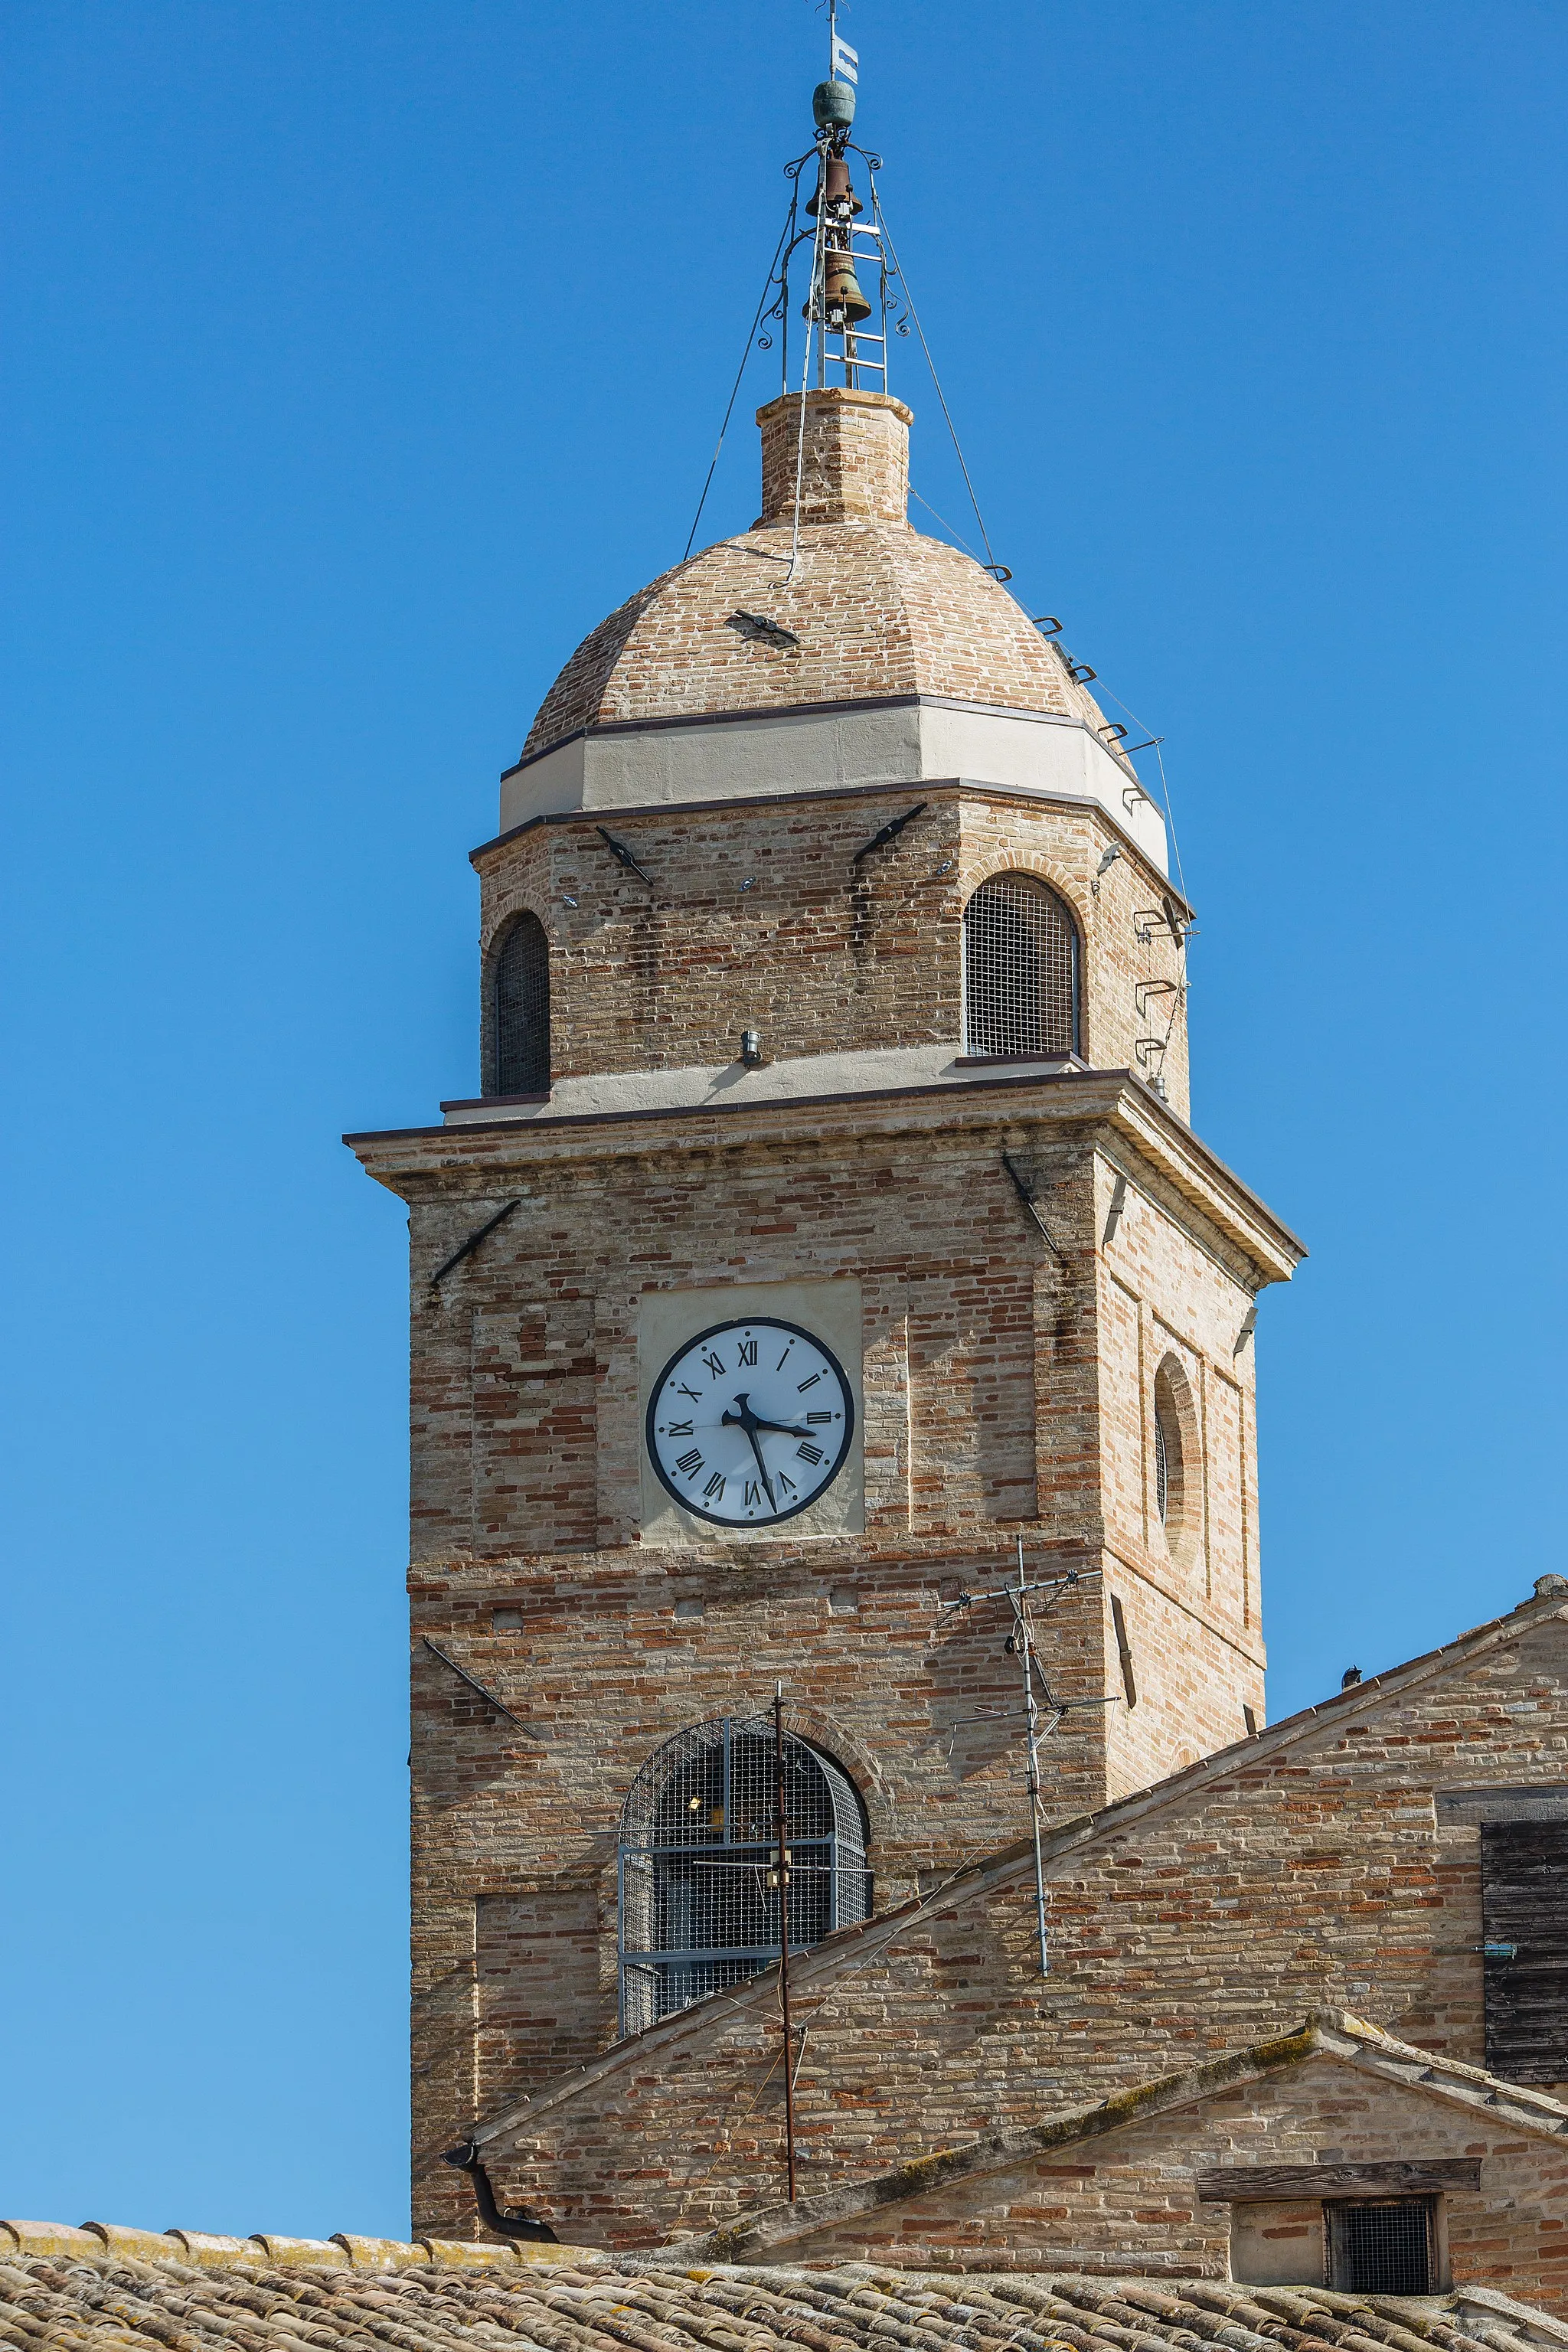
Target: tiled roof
(878,608)
(182,2292)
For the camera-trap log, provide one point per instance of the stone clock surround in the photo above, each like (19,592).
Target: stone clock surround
(831,1311)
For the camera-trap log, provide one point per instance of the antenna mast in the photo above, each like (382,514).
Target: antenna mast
(1041,1710)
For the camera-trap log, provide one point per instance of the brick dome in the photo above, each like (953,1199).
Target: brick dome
(878,608)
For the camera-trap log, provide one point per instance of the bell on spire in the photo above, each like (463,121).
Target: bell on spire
(841,304)
(834,193)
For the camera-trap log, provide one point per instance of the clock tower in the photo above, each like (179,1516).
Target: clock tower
(829,1225)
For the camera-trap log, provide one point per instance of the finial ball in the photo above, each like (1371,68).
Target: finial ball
(832,105)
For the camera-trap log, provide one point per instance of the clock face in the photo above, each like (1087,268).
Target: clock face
(749,1422)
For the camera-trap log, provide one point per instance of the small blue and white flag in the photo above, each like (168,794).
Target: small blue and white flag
(843,61)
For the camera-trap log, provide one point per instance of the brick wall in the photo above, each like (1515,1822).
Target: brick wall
(821,955)
(1306,1869)
(990,1373)
(850,456)
(1127,2202)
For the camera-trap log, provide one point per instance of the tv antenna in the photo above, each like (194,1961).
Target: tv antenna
(1042,1709)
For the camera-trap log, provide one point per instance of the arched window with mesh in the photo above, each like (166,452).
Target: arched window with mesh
(1020,970)
(519,1009)
(698,1878)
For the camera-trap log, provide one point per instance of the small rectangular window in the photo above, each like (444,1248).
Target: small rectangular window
(1385,2246)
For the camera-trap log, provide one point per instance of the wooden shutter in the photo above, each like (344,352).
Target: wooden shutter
(1524,1903)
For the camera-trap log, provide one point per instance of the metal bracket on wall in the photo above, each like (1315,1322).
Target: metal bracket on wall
(1027,1198)
(465,1677)
(1113,1213)
(465,1249)
(890,832)
(623,855)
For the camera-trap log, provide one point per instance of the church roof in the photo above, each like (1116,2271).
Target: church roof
(184,2292)
(877,609)
(1331,2033)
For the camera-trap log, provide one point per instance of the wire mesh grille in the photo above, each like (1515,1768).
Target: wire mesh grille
(521,976)
(1162,1465)
(699,1891)
(1020,970)
(1381,2248)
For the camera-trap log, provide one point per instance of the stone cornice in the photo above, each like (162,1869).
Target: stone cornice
(478,1155)
(974,787)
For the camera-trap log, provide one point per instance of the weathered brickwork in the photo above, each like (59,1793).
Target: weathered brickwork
(820,954)
(1129,2200)
(850,454)
(1303,1869)
(991,1373)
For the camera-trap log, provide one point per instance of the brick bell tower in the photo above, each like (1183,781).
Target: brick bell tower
(829,1221)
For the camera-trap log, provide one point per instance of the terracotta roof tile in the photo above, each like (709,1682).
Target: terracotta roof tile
(568,2299)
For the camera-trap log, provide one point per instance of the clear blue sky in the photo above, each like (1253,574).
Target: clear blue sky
(357,357)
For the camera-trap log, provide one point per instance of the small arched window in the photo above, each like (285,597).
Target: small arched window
(1020,970)
(1171,1466)
(698,1882)
(519,1009)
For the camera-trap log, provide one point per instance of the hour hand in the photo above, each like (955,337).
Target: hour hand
(784,1428)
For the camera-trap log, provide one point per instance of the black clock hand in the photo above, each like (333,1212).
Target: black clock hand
(762,1470)
(747,1420)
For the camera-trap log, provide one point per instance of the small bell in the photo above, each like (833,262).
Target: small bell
(834,189)
(841,304)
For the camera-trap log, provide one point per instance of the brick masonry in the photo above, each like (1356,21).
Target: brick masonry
(821,954)
(1129,2200)
(874,606)
(1004,1393)
(1308,1867)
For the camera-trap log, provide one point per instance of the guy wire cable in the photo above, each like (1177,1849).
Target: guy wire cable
(745,355)
(1165,780)
(941,396)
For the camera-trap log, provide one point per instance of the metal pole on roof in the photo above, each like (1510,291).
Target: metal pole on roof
(1023,1634)
(780,1857)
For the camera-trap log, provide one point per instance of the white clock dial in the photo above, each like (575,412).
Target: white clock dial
(749,1422)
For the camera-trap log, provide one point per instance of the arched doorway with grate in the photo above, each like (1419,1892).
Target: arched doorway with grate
(699,1901)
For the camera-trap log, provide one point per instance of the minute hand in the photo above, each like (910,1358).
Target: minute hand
(750,1428)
